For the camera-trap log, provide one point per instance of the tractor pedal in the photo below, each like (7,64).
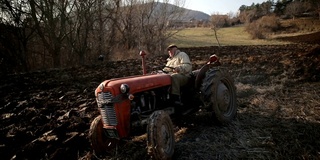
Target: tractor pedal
(187,111)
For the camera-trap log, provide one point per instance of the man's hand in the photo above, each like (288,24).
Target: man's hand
(165,71)
(177,69)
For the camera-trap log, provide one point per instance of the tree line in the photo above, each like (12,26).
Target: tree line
(40,34)
(263,19)
(280,8)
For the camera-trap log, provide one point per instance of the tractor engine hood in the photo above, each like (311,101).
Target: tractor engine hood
(135,83)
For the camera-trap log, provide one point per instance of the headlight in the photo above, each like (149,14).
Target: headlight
(101,86)
(124,88)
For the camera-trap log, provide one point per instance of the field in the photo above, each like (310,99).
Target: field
(194,37)
(47,114)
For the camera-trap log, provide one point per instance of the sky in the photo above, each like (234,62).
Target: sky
(218,6)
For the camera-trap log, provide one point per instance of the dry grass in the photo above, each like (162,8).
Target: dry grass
(303,25)
(199,37)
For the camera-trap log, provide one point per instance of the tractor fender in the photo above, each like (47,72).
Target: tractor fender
(200,74)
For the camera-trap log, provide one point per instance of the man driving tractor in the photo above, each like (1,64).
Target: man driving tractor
(133,102)
(179,67)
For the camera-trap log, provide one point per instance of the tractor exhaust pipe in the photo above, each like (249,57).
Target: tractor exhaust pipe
(143,54)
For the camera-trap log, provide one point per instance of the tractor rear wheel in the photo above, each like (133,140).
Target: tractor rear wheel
(219,92)
(101,144)
(160,139)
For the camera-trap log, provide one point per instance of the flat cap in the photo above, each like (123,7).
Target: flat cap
(171,46)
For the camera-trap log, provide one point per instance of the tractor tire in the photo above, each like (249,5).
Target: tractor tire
(219,93)
(100,143)
(160,139)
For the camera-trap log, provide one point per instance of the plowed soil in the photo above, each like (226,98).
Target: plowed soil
(47,114)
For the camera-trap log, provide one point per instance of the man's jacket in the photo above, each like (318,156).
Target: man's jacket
(181,60)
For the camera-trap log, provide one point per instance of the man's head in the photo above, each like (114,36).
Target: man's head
(171,49)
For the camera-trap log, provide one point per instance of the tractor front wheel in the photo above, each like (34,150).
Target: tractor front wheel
(101,144)
(160,135)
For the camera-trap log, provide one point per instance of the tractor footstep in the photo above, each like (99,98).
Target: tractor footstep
(188,111)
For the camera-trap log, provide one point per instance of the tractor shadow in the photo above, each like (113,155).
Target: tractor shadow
(250,135)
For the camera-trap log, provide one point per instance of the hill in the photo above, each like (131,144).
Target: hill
(188,14)
(192,14)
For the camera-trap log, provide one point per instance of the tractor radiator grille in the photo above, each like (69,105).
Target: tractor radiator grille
(107,110)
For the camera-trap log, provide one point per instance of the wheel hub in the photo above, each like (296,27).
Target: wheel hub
(223,97)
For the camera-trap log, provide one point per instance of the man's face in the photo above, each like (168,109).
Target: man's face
(171,51)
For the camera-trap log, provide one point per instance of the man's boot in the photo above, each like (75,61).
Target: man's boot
(175,99)
(178,106)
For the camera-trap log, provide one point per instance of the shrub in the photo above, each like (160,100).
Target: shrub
(260,28)
(255,31)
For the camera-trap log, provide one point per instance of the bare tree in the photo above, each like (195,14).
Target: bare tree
(128,22)
(75,31)
(143,24)
(106,27)
(154,17)
(80,27)
(51,18)
(15,35)
(100,29)
(163,14)
(113,9)
(265,8)
(248,16)
(294,8)
(315,5)
(218,21)
(318,9)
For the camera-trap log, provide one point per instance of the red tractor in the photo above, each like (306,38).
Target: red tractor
(143,100)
